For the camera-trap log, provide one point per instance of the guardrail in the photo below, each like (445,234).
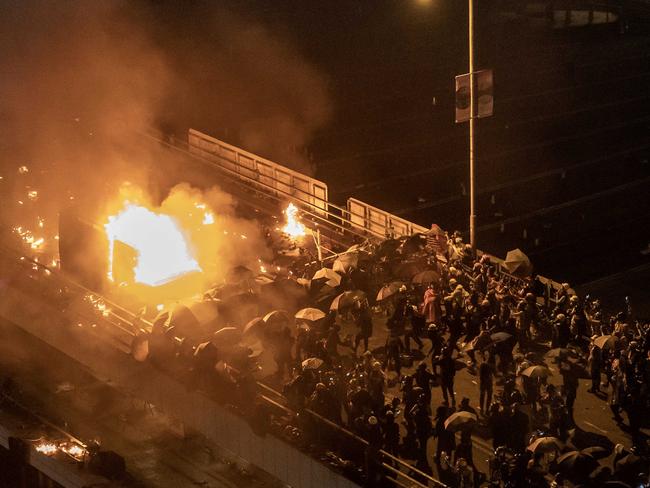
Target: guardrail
(251,167)
(379,222)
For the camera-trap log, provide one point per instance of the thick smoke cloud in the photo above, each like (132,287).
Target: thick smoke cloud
(79,79)
(257,90)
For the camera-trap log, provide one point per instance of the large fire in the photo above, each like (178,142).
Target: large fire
(163,252)
(293,227)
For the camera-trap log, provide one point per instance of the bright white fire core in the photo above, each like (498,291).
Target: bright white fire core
(163,253)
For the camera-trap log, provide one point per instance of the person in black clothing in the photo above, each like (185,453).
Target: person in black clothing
(423,378)
(446,439)
(364,323)
(464,449)
(437,343)
(422,420)
(569,387)
(595,364)
(391,434)
(394,348)
(486,381)
(447,373)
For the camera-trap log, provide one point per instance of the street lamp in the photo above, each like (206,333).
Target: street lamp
(469,110)
(472,176)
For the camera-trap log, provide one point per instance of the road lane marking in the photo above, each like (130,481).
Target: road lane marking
(595,427)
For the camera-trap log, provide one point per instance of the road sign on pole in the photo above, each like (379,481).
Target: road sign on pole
(463,105)
(484,89)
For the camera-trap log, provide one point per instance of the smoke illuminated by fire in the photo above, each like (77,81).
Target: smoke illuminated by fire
(163,252)
(178,248)
(293,226)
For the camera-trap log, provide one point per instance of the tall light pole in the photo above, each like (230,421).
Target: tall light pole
(472,118)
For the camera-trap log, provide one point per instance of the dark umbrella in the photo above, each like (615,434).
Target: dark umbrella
(536,371)
(597,452)
(629,465)
(426,277)
(500,336)
(226,336)
(561,351)
(254,326)
(387,248)
(346,262)
(276,319)
(388,291)
(460,421)
(413,244)
(576,463)
(347,299)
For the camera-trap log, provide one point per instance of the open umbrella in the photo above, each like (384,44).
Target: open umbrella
(389,290)
(518,264)
(329,276)
(577,463)
(226,336)
(312,363)
(310,314)
(460,421)
(347,299)
(597,452)
(425,277)
(537,371)
(413,244)
(387,248)
(562,351)
(500,336)
(545,444)
(606,341)
(253,326)
(276,319)
(346,262)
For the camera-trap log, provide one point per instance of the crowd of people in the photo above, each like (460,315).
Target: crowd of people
(446,310)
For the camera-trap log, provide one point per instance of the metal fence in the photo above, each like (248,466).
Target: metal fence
(253,168)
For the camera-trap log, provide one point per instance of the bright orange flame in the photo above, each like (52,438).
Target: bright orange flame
(163,253)
(47,448)
(293,226)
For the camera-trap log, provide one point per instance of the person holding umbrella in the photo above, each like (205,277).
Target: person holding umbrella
(447,373)
(486,372)
(363,320)
(446,438)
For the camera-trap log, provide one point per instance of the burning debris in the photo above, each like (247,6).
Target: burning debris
(293,228)
(163,252)
(46,447)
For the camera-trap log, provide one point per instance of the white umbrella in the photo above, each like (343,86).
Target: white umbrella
(310,314)
(331,277)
